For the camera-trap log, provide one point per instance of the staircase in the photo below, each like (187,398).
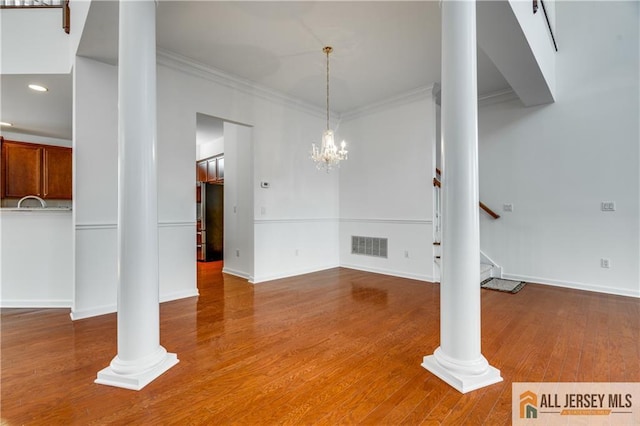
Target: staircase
(488,268)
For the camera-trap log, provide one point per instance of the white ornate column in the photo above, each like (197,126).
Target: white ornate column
(140,357)
(459,361)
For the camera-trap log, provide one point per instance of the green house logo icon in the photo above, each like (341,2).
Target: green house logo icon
(528,405)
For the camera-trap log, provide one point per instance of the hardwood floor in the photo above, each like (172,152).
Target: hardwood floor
(334,347)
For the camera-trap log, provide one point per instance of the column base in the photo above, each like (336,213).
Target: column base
(462,381)
(136,381)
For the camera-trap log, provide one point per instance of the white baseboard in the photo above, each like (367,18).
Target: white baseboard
(261,279)
(93,312)
(573,285)
(400,274)
(109,309)
(235,273)
(176,295)
(36,303)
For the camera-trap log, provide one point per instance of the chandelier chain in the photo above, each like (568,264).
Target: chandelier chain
(327,50)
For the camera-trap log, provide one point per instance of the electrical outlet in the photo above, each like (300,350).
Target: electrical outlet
(605,263)
(297,252)
(608,206)
(508,207)
(406,254)
(237,253)
(263,211)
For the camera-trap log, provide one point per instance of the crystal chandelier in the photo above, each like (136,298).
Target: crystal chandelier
(327,155)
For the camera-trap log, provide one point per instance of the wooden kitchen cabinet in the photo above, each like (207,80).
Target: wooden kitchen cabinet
(21,169)
(210,170)
(220,175)
(57,173)
(201,170)
(34,169)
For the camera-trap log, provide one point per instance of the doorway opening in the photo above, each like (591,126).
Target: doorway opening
(224,195)
(209,188)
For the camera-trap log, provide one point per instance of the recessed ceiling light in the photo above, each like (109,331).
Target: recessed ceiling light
(4,123)
(38,88)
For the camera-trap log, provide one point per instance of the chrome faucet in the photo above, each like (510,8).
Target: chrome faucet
(43,203)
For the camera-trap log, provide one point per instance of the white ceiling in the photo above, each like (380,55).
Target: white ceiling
(381,48)
(37,113)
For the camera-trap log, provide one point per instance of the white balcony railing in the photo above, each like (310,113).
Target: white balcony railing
(31,3)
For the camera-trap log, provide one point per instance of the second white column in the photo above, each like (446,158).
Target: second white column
(459,361)
(140,357)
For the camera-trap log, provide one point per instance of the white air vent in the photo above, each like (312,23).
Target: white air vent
(369,246)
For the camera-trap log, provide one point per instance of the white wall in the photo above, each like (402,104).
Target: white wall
(278,153)
(209,149)
(556,163)
(535,29)
(24,137)
(36,259)
(298,194)
(95,192)
(238,201)
(386,186)
(209,136)
(519,45)
(33,42)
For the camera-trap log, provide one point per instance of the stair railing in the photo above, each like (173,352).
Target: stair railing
(437,184)
(546,17)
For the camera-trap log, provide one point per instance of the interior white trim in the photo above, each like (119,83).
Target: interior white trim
(189,66)
(95,226)
(390,221)
(181,224)
(390,272)
(420,93)
(93,312)
(177,295)
(235,273)
(198,69)
(296,220)
(109,309)
(163,224)
(497,97)
(16,303)
(261,279)
(572,285)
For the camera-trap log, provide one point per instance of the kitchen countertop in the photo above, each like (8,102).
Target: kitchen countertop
(35,209)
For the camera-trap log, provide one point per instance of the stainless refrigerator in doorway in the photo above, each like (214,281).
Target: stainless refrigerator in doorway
(210,222)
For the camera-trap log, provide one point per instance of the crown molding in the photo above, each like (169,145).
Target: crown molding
(297,220)
(181,63)
(497,97)
(388,221)
(421,93)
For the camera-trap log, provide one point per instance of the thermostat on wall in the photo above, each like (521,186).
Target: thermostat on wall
(264,184)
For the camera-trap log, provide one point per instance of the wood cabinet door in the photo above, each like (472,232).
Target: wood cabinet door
(212,170)
(220,168)
(201,171)
(21,170)
(57,171)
